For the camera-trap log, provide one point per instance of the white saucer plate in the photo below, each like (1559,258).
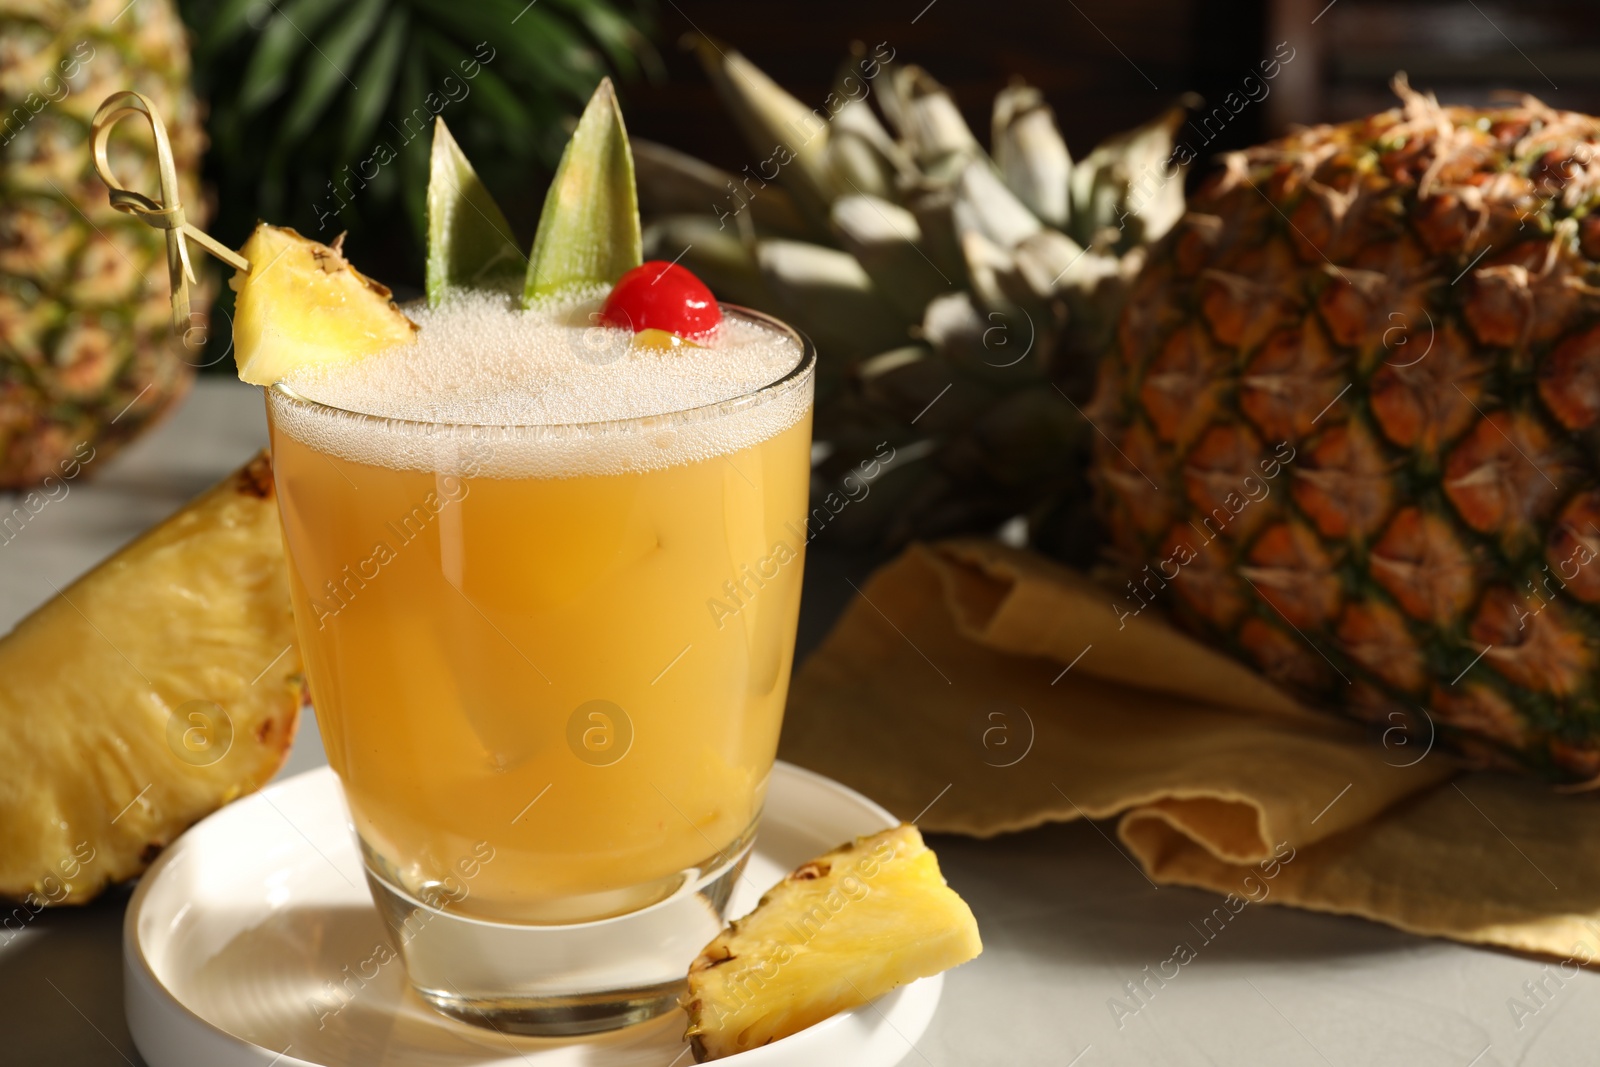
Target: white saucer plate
(232,936)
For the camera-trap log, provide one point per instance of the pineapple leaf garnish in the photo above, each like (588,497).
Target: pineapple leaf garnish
(589,228)
(469,240)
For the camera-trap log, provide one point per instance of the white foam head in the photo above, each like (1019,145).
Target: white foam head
(495,390)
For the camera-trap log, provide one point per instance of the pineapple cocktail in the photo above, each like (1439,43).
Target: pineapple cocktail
(545,535)
(513,589)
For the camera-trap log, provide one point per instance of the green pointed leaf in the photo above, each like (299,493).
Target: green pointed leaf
(324,75)
(469,240)
(540,40)
(830,296)
(1030,152)
(675,183)
(589,228)
(628,50)
(791,138)
(714,253)
(886,240)
(1111,188)
(380,73)
(282,41)
(930,123)
(229,23)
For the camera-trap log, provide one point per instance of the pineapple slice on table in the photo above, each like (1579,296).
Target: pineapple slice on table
(148,693)
(303,304)
(840,930)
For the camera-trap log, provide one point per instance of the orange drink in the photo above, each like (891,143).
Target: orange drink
(546,581)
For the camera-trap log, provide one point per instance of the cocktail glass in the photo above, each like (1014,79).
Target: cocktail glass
(549,664)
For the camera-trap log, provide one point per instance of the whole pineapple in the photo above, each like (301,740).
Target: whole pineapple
(85,349)
(1351,421)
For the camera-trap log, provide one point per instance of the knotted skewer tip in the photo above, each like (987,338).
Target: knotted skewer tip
(164,212)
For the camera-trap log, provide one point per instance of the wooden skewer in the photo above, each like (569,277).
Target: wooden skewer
(165,213)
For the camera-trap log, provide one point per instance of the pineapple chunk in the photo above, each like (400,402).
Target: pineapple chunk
(154,689)
(837,932)
(303,304)
(660,341)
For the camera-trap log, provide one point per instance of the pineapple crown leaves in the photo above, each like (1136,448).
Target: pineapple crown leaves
(1031,153)
(768,117)
(1133,182)
(917,260)
(469,239)
(311,93)
(929,123)
(1031,236)
(588,231)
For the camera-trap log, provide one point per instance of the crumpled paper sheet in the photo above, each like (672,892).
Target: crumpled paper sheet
(977,689)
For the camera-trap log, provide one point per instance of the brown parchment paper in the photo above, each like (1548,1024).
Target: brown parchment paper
(978,689)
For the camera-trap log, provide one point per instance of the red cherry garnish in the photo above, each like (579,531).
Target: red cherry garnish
(662,296)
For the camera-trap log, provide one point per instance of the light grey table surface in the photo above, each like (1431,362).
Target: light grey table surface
(1066,919)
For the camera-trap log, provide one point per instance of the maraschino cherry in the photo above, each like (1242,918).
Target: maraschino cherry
(662,296)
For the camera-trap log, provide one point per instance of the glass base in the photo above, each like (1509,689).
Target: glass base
(558,1016)
(559,980)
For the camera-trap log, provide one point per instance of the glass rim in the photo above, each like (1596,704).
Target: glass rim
(790,378)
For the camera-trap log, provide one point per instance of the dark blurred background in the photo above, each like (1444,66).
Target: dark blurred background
(1104,65)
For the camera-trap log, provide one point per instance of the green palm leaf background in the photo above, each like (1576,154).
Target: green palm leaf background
(321,111)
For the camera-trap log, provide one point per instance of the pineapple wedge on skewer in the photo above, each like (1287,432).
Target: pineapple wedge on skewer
(840,930)
(153,690)
(303,304)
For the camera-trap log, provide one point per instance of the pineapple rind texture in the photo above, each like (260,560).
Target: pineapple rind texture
(302,304)
(86,352)
(1350,426)
(110,733)
(837,932)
